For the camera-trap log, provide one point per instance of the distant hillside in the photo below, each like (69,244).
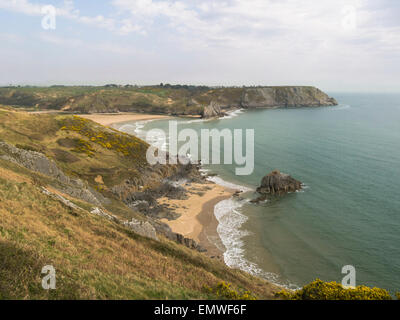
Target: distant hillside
(165,99)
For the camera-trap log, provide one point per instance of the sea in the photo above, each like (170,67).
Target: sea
(348,213)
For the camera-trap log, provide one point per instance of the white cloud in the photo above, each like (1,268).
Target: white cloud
(67,11)
(244,23)
(239,41)
(21,6)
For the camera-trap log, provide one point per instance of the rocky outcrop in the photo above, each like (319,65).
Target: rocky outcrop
(38,162)
(142,228)
(278,183)
(100,212)
(213,110)
(164,229)
(61,199)
(271,97)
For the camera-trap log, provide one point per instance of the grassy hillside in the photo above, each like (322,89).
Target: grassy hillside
(162,99)
(94,258)
(81,99)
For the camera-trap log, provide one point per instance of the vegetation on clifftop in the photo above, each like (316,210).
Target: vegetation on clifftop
(162,99)
(320,290)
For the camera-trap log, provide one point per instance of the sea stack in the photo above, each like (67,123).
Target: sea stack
(277,183)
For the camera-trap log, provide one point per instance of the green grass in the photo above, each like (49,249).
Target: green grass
(177,100)
(95,258)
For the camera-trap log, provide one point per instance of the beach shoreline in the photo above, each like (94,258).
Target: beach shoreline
(108,119)
(197,220)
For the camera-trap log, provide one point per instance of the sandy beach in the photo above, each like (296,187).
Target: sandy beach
(197,220)
(107,119)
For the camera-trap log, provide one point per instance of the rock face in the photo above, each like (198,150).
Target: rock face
(270,97)
(212,110)
(144,229)
(265,97)
(38,162)
(100,212)
(60,198)
(164,229)
(278,183)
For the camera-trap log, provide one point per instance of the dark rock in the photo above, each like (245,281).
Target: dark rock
(213,110)
(164,229)
(237,193)
(278,183)
(142,228)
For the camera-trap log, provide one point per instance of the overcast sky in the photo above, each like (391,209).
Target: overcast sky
(336,45)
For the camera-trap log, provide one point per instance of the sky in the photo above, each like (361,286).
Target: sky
(336,45)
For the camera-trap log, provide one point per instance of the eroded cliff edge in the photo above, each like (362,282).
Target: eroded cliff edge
(270,97)
(176,100)
(218,101)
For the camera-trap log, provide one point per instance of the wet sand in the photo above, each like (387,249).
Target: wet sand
(197,220)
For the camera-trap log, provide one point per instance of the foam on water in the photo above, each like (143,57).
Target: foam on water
(232,114)
(229,229)
(226,184)
(136,129)
(193,121)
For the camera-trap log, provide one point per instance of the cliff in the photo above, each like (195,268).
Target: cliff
(262,97)
(266,97)
(213,110)
(270,97)
(172,100)
(69,195)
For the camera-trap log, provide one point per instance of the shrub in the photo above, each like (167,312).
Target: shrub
(320,290)
(223,290)
(126,145)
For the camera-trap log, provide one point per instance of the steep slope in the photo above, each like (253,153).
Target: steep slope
(103,248)
(285,97)
(95,258)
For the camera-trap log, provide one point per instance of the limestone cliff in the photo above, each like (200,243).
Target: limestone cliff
(213,110)
(173,100)
(269,97)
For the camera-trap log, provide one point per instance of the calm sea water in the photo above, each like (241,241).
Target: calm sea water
(349,213)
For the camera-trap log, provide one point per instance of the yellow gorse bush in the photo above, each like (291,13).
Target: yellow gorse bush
(223,290)
(320,290)
(125,144)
